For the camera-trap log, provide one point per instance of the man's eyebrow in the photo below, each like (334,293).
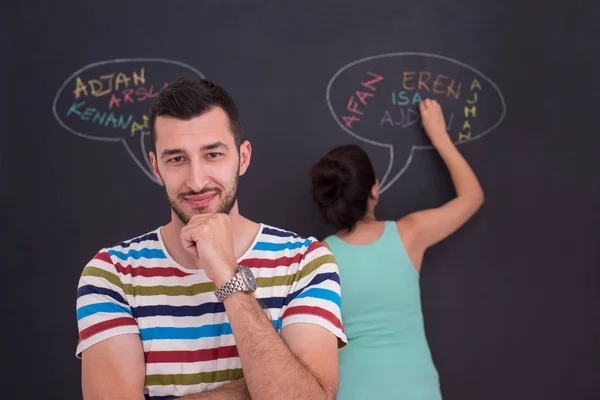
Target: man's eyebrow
(214,146)
(211,146)
(170,152)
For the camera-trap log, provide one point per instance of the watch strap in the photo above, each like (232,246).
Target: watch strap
(234,285)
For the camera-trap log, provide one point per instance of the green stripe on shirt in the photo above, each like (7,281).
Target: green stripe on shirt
(195,379)
(205,287)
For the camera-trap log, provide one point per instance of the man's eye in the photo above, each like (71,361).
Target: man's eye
(177,159)
(214,155)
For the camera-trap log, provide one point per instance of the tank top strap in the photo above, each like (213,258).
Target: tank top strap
(390,232)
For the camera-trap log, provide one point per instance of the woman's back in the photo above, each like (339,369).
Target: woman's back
(387,356)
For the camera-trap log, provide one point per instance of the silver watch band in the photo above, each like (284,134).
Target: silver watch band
(235,284)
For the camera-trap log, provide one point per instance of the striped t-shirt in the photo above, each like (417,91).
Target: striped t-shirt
(136,287)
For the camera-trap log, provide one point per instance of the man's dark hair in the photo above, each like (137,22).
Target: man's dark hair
(187,98)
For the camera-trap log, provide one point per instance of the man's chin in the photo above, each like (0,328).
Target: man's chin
(202,210)
(185,211)
(186,216)
(190,210)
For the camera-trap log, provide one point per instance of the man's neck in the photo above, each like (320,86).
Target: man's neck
(243,231)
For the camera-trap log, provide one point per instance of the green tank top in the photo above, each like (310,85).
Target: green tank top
(387,356)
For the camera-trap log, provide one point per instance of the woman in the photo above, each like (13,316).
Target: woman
(387,356)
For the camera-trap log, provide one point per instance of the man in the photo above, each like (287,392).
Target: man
(211,305)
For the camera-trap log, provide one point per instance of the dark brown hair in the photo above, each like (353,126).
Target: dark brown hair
(187,98)
(341,184)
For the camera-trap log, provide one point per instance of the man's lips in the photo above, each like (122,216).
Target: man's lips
(200,200)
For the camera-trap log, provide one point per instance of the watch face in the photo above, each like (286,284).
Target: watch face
(248,278)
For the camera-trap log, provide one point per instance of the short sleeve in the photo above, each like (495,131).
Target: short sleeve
(102,309)
(317,294)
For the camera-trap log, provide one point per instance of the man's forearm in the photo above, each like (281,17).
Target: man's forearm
(232,390)
(271,370)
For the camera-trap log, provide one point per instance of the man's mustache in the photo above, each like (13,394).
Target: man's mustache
(201,192)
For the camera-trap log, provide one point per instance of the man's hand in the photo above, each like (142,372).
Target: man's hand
(433,121)
(208,237)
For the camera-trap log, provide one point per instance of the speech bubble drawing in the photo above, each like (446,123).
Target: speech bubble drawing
(375,99)
(109,101)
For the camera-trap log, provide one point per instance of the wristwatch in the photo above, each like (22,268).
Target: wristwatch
(242,281)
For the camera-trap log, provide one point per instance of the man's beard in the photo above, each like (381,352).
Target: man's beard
(225,206)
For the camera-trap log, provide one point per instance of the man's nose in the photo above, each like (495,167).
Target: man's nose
(197,178)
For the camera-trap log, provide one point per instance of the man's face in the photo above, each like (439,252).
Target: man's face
(199,163)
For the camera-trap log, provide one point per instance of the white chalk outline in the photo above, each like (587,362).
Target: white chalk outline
(101,139)
(383,185)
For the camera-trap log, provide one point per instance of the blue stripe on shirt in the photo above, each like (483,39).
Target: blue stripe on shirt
(268,246)
(150,236)
(278,232)
(91,289)
(266,302)
(196,311)
(320,278)
(324,294)
(178,311)
(194,332)
(186,333)
(85,311)
(137,254)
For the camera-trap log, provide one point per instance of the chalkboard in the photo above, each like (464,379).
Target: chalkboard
(511,301)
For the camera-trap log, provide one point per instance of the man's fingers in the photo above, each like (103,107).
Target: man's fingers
(197,219)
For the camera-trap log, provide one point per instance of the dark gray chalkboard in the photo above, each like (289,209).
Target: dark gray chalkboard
(511,301)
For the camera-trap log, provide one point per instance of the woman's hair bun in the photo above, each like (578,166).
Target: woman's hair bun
(341,184)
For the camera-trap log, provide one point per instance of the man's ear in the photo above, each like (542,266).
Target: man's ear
(245,156)
(155,170)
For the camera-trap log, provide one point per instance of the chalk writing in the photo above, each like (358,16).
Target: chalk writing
(103,85)
(376,99)
(406,117)
(470,111)
(354,104)
(109,101)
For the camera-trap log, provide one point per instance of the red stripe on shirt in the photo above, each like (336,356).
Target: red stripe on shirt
(315,245)
(103,256)
(191,356)
(318,311)
(266,263)
(149,272)
(104,326)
